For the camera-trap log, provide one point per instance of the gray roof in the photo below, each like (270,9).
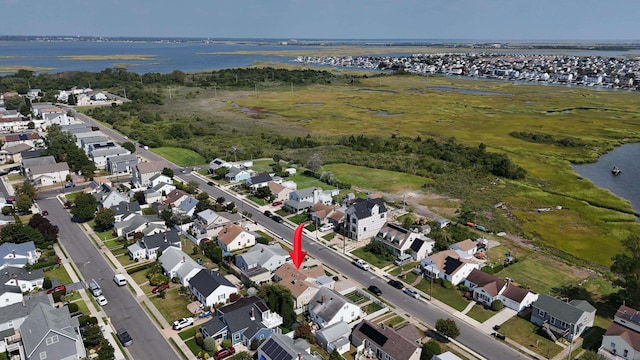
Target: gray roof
(20,274)
(27,163)
(385,338)
(304,193)
(161,240)
(260,253)
(362,207)
(260,178)
(237,316)
(207,281)
(213,326)
(570,312)
(188,204)
(131,224)
(20,310)
(49,168)
(43,319)
(20,249)
(109,151)
(335,331)
(173,256)
(281,347)
(125,207)
(331,305)
(123,158)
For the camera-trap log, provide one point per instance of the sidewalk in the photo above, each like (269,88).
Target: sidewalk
(107,329)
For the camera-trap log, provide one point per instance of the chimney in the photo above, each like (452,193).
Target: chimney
(14,253)
(322,300)
(183,260)
(299,356)
(253,314)
(165,237)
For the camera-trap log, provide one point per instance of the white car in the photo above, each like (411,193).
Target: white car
(326,227)
(102,300)
(182,323)
(361,264)
(411,292)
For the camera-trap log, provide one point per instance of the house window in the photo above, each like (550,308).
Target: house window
(43,355)
(626,352)
(381,216)
(541,312)
(552,321)
(52,340)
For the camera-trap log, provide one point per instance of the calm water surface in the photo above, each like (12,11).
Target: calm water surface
(625,185)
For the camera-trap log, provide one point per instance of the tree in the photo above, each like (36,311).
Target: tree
(43,225)
(23,204)
(447,327)
(191,187)
(221,172)
(28,189)
(430,348)
(242,355)
(314,163)
(129,146)
(279,299)
(92,336)
(106,351)
(303,331)
(212,251)
(105,218)
(626,267)
(84,207)
(592,355)
(263,192)
(21,233)
(497,305)
(209,344)
(167,172)
(31,125)
(335,355)
(139,197)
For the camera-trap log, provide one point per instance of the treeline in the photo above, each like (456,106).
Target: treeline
(248,77)
(542,138)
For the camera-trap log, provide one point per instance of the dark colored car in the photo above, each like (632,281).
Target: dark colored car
(396,284)
(276,203)
(56,289)
(45,213)
(376,290)
(124,337)
(210,183)
(69,185)
(158,288)
(221,354)
(277,219)
(267,213)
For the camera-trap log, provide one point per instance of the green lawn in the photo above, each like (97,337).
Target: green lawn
(189,333)
(180,156)
(60,274)
(371,258)
(299,218)
(395,321)
(256,200)
(303,181)
(173,306)
(371,308)
(72,195)
(356,297)
(451,297)
(526,334)
(479,313)
(375,179)
(196,349)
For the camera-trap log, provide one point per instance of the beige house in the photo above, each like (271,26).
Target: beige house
(299,282)
(232,237)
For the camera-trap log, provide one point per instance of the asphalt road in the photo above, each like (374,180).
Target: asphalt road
(122,309)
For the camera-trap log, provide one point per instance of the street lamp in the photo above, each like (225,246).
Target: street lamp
(88,262)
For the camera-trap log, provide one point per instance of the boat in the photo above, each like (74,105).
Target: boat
(616,171)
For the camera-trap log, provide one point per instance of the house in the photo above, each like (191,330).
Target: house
(150,247)
(12,316)
(159,179)
(238,175)
(622,339)
(243,322)
(467,246)
(281,347)
(133,223)
(94,138)
(447,355)
(101,156)
(442,223)
(143,172)
(24,280)
(14,153)
(32,139)
(208,220)
(186,207)
(335,336)
(319,213)
(218,163)
(175,197)
(329,307)
(259,180)
(300,200)
(52,116)
(211,288)
(121,164)
(176,264)
(10,294)
(449,265)
(299,282)
(108,197)
(232,238)
(280,191)
(560,319)
(364,218)
(50,333)
(402,241)
(18,255)
(28,163)
(44,175)
(487,288)
(269,257)
(383,342)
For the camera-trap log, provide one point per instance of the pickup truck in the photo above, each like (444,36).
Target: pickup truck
(124,337)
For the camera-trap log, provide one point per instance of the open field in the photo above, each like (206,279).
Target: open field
(180,156)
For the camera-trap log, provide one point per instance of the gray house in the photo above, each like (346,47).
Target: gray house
(50,333)
(562,319)
(335,337)
(281,347)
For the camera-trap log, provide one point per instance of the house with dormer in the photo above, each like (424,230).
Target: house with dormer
(328,307)
(143,172)
(18,255)
(259,180)
(449,265)
(211,288)
(177,264)
(364,218)
(487,288)
(383,342)
(243,322)
(402,241)
(150,247)
(24,280)
(12,316)
(562,319)
(303,283)
(233,238)
(133,223)
(622,339)
(300,200)
(258,264)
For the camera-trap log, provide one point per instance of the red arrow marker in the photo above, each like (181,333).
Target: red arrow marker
(297,255)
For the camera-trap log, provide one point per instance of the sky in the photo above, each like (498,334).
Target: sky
(328,19)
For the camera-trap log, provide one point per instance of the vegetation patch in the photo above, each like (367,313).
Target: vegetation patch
(479,313)
(180,156)
(448,295)
(527,334)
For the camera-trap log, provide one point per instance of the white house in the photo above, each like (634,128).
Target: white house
(45,175)
(18,255)
(329,307)
(24,280)
(449,265)
(403,241)
(232,238)
(10,295)
(211,288)
(335,336)
(364,218)
(467,246)
(143,172)
(259,181)
(177,264)
(158,179)
(487,288)
(622,339)
(152,245)
(383,342)
(101,156)
(269,257)
(300,200)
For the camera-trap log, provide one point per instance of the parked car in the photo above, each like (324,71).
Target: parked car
(361,264)
(276,203)
(182,323)
(326,227)
(376,290)
(69,185)
(124,337)
(56,289)
(102,301)
(267,213)
(160,287)
(221,354)
(412,292)
(45,213)
(210,183)
(277,219)
(11,199)
(396,284)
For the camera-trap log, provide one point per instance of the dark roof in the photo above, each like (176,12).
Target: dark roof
(632,338)
(242,302)
(559,309)
(213,326)
(362,207)
(207,281)
(21,274)
(515,293)
(385,338)
(451,265)
(125,207)
(161,240)
(32,153)
(416,244)
(629,314)
(238,316)
(260,178)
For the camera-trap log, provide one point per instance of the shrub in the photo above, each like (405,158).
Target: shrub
(85,320)
(497,305)
(199,339)
(209,344)
(234,297)
(46,284)
(429,349)
(73,307)
(447,284)
(226,343)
